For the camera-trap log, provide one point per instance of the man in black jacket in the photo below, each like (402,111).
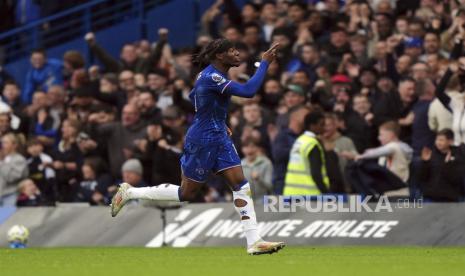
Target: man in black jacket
(359,123)
(129,60)
(397,106)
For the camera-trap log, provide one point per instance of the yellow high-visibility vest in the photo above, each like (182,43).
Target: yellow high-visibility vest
(299,180)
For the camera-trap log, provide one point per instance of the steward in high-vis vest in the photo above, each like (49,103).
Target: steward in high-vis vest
(306,170)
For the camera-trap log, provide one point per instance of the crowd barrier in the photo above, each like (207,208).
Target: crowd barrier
(434,224)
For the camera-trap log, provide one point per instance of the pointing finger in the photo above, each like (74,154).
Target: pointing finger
(274,47)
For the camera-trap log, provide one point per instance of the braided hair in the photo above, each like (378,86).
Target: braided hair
(208,53)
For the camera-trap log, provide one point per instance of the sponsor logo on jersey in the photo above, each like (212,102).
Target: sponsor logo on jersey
(218,79)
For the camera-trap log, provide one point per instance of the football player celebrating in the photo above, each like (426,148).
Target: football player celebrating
(208,147)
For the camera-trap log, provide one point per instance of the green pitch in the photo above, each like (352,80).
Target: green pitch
(233,261)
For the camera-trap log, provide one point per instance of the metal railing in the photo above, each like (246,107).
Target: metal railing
(70,24)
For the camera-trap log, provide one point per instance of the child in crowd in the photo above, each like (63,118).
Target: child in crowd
(40,169)
(29,194)
(94,185)
(393,154)
(442,170)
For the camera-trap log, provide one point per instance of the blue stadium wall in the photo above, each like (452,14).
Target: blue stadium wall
(180,16)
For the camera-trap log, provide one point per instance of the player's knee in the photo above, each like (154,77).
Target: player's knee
(239,184)
(240,202)
(187,194)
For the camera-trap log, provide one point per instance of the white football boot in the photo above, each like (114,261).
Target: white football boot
(119,199)
(264,247)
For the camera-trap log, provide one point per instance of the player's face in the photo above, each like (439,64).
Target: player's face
(232,58)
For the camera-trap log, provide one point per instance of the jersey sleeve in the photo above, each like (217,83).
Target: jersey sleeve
(218,82)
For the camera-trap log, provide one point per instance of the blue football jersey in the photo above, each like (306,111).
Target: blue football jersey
(211,103)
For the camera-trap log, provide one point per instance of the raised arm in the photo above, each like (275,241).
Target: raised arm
(248,89)
(377,152)
(251,87)
(110,63)
(441,89)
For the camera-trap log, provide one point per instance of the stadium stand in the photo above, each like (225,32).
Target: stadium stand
(95,94)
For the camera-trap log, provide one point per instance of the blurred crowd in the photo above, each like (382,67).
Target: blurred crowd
(388,76)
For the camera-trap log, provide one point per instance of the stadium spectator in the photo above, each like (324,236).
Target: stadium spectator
(12,106)
(306,171)
(161,150)
(5,123)
(43,73)
(369,62)
(293,99)
(109,92)
(439,117)
(147,103)
(127,83)
(11,95)
(457,104)
(333,140)
(41,170)
(272,95)
(44,127)
(129,59)
(93,188)
(397,106)
(393,154)
(175,120)
(13,168)
(157,81)
(441,172)
(119,137)
(253,119)
(72,62)
(132,172)
(282,145)
(422,136)
(336,48)
(359,123)
(4,77)
(28,194)
(257,168)
(67,160)
(268,18)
